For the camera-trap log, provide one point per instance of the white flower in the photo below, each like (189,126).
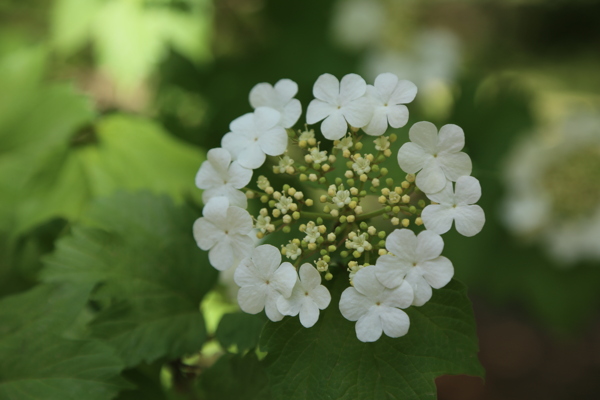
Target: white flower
(292,251)
(312,232)
(285,162)
(224,232)
(359,242)
(262,182)
(382,143)
(361,165)
(263,280)
(437,157)
(455,205)
(218,176)
(263,223)
(341,198)
(308,297)
(345,143)
(318,156)
(284,204)
(281,98)
(375,307)
(253,135)
(307,135)
(337,103)
(417,261)
(388,97)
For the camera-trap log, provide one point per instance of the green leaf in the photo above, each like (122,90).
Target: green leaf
(37,362)
(235,377)
(241,330)
(329,362)
(152,275)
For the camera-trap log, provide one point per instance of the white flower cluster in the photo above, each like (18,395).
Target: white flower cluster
(342,229)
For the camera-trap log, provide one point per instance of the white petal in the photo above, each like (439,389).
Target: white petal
(221,255)
(309,313)
(216,211)
(206,234)
(244,274)
(267,258)
(239,176)
(425,135)
(262,94)
(271,306)
(239,221)
(291,113)
(321,297)
(400,297)
(451,138)
(368,327)
(469,220)
(431,179)
(429,245)
(444,196)
(251,156)
(397,115)
(359,112)
(438,272)
(242,246)
(390,270)
(266,118)
(252,298)
(404,92)
(327,89)
(235,143)
(402,242)
(379,122)
(352,87)
(411,157)
(437,218)
(284,279)
(243,125)
(366,282)
(274,141)
(385,84)
(395,322)
(353,305)
(286,88)
(334,127)
(291,305)
(309,276)
(455,165)
(468,190)
(208,177)
(421,288)
(318,110)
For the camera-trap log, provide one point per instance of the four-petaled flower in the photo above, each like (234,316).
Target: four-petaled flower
(279,97)
(375,308)
(416,260)
(218,176)
(388,97)
(253,135)
(456,205)
(224,231)
(262,280)
(308,297)
(340,104)
(438,157)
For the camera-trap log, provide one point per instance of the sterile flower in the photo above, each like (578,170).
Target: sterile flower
(262,280)
(292,251)
(218,176)
(317,155)
(361,165)
(438,157)
(375,308)
(337,103)
(312,232)
(417,261)
(306,135)
(224,231)
(284,204)
(279,97)
(342,198)
(388,97)
(455,205)
(308,297)
(285,162)
(263,223)
(382,143)
(253,135)
(344,144)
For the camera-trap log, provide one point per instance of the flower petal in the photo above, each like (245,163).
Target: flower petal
(402,242)
(425,135)
(206,234)
(438,272)
(451,138)
(266,118)
(395,322)
(221,255)
(321,297)
(397,115)
(368,327)
(444,196)
(404,92)
(239,221)
(352,87)
(252,156)
(429,245)
(291,113)
(420,287)
(431,179)
(455,165)
(379,122)
(309,313)
(366,282)
(235,197)
(284,279)
(309,276)
(252,298)
(262,94)
(400,297)
(274,141)
(271,305)
(243,125)
(318,110)
(267,258)
(244,274)
(353,305)
(438,218)
(469,220)
(334,127)
(359,112)
(390,270)
(235,143)
(412,157)
(468,190)
(385,84)
(327,89)
(286,88)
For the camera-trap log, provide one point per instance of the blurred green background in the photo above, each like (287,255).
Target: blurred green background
(102,96)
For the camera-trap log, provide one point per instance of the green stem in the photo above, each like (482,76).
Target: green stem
(315,215)
(371,214)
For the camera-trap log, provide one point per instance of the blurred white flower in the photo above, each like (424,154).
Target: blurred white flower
(438,157)
(308,297)
(388,96)
(375,308)
(339,104)
(225,232)
(218,176)
(279,97)
(416,260)
(255,134)
(455,205)
(369,15)
(262,280)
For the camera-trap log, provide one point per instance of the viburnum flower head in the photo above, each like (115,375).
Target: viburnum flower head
(455,205)
(279,97)
(263,280)
(224,232)
(375,308)
(218,176)
(388,96)
(416,260)
(254,135)
(339,104)
(308,297)
(438,157)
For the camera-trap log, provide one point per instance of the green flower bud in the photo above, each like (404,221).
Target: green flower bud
(363,225)
(286,229)
(338,181)
(319,221)
(264,198)
(344,254)
(323,252)
(356,254)
(350,182)
(272,203)
(381,243)
(375,168)
(384,171)
(381,235)
(389,182)
(322,180)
